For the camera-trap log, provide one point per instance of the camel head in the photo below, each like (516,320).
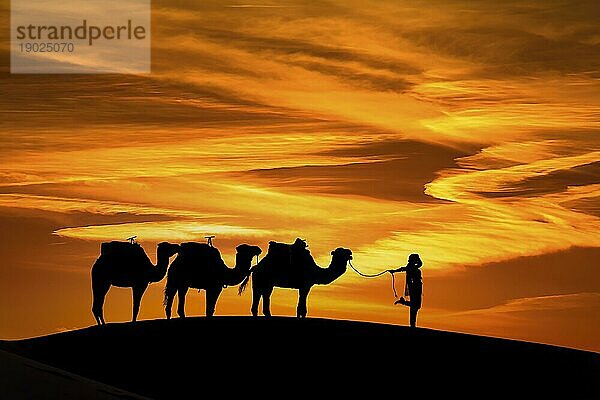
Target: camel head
(341,255)
(337,267)
(246,250)
(167,249)
(243,264)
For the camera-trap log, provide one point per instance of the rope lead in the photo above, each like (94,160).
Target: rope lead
(365,275)
(375,276)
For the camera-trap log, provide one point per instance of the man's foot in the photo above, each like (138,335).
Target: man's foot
(401,300)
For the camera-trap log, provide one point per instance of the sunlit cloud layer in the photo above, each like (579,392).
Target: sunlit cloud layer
(536,314)
(155,231)
(466,132)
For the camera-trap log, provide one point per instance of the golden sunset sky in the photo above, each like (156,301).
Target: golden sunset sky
(468,132)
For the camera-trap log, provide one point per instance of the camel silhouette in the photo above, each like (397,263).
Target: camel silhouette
(200,266)
(292,266)
(125,264)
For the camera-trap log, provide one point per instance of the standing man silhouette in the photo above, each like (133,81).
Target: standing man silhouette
(413,288)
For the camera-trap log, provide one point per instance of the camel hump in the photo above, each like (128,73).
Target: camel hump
(121,248)
(289,253)
(299,244)
(199,250)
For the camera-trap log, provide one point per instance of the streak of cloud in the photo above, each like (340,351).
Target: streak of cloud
(467,132)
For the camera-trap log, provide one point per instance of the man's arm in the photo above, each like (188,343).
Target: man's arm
(401,269)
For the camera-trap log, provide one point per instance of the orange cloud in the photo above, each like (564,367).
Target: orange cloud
(467,132)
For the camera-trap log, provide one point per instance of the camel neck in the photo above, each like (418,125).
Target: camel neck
(236,275)
(159,271)
(242,262)
(335,270)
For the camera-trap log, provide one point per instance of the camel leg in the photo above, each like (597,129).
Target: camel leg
(169,297)
(266,296)
(212,295)
(138,292)
(181,292)
(99,291)
(256,293)
(302,310)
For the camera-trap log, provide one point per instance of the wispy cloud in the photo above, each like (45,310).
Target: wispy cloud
(156,231)
(542,303)
(258,6)
(465,131)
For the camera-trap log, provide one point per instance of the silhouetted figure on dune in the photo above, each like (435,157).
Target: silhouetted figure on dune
(413,288)
(125,264)
(200,266)
(292,266)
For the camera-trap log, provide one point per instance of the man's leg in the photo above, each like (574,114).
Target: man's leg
(413,317)
(402,301)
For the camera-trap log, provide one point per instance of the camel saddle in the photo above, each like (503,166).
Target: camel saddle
(121,249)
(202,251)
(296,253)
(198,249)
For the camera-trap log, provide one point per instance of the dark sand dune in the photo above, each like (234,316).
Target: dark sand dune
(279,357)
(22,378)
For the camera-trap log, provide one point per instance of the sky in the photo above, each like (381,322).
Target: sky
(467,132)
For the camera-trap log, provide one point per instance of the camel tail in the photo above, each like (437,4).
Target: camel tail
(168,292)
(165,298)
(245,283)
